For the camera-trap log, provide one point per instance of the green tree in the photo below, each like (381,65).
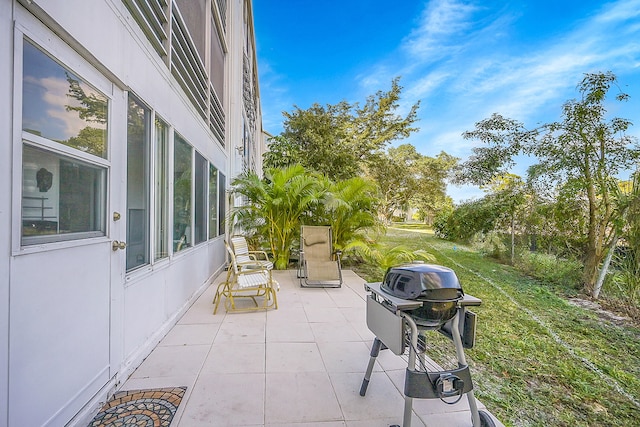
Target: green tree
(432,174)
(592,150)
(407,178)
(584,150)
(280,153)
(274,206)
(509,193)
(338,140)
(395,174)
(468,219)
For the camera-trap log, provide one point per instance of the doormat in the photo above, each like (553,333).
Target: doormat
(140,408)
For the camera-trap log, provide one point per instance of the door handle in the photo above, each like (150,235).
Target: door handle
(115,245)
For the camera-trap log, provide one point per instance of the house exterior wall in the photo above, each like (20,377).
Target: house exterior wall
(75,317)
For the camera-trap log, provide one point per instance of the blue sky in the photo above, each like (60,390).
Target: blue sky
(463,60)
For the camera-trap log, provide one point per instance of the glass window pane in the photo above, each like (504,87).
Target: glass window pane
(59,105)
(62,198)
(213,201)
(201,178)
(162,190)
(138,123)
(181,194)
(221,203)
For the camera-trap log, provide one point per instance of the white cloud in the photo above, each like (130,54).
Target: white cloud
(481,81)
(439,22)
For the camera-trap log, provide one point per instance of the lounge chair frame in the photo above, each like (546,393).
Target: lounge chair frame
(246,280)
(319,265)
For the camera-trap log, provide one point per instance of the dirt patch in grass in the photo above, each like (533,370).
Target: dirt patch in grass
(602,313)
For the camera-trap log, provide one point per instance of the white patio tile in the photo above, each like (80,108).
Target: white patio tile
(191,334)
(316,297)
(171,361)
(381,401)
(300,397)
(226,400)
(234,358)
(344,356)
(287,314)
(318,314)
(159,382)
(334,332)
(249,330)
(314,424)
(289,332)
(293,357)
(386,422)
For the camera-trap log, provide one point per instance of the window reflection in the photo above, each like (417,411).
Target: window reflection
(138,131)
(58,105)
(60,197)
(181,195)
(213,201)
(200,209)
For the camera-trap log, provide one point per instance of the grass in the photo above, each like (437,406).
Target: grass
(538,360)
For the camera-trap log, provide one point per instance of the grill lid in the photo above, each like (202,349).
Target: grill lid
(425,282)
(436,286)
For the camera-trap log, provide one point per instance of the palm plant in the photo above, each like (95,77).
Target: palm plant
(274,206)
(350,207)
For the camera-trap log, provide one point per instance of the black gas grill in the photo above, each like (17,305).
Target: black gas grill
(411,300)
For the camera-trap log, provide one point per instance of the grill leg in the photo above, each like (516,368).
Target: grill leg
(408,401)
(462,360)
(375,350)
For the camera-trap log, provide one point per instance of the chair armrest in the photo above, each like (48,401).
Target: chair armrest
(261,253)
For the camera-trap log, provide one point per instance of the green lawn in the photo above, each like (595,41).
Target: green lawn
(538,360)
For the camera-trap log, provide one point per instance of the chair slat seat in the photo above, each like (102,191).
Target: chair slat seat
(248,279)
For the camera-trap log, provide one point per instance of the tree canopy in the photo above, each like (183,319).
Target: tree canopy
(339,140)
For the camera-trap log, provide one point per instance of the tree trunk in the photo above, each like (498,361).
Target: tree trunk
(513,240)
(590,271)
(605,268)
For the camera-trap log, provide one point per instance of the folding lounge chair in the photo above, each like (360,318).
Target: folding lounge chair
(246,283)
(319,265)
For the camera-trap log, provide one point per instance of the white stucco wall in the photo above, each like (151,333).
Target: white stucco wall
(135,309)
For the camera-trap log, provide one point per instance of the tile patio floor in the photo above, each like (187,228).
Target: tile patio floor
(300,365)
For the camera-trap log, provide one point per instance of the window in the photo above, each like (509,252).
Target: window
(182,214)
(188,35)
(222,206)
(138,134)
(161,189)
(200,208)
(64,176)
(213,201)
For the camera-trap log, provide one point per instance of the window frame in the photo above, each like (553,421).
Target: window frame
(27,28)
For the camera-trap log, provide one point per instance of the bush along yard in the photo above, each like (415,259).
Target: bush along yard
(543,357)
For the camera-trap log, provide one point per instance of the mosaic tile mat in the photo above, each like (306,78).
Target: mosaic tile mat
(140,408)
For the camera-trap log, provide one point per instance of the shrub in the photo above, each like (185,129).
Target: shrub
(549,268)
